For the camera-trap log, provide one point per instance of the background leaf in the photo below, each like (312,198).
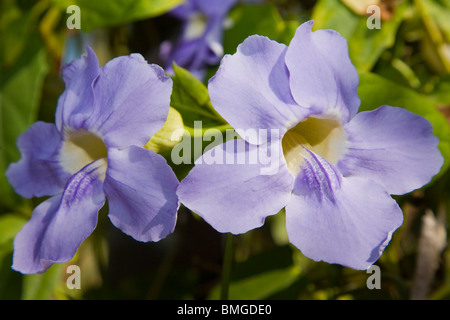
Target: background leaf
(20,93)
(100,14)
(190,98)
(365,45)
(262,275)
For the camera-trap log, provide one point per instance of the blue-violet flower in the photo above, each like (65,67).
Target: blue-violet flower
(200,42)
(93,152)
(337,168)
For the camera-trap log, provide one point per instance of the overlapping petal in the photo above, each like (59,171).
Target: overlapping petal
(393,147)
(60,224)
(231,194)
(38,173)
(131,108)
(77,101)
(322,76)
(141,191)
(341,220)
(251,88)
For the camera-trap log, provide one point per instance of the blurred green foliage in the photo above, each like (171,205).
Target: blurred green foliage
(405,63)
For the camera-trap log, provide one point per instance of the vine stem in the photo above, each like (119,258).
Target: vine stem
(227,265)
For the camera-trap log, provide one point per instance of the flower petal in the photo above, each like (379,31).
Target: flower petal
(76,102)
(341,220)
(234,193)
(214,7)
(38,173)
(60,224)
(132,101)
(141,191)
(392,146)
(251,88)
(322,76)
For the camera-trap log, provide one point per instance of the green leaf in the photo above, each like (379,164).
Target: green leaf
(100,14)
(10,225)
(10,280)
(18,23)
(42,286)
(376,91)
(261,286)
(261,276)
(190,98)
(20,92)
(365,45)
(247,20)
(441,92)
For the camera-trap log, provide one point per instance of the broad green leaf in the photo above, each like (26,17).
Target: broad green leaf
(365,45)
(42,286)
(262,275)
(441,92)
(247,20)
(20,92)
(260,286)
(190,98)
(10,280)
(18,23)
(100,14)
(376,91)
(10,225)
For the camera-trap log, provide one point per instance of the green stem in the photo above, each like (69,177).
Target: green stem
(227,264)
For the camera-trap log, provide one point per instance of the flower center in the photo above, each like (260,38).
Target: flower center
(325,137)
(196,26)
(79,149)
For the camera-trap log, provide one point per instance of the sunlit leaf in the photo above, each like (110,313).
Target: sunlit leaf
(99,14)
(169,135)
(246,20)
(190,98)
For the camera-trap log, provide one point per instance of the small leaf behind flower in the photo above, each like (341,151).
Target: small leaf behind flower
(190,98)
(169,135)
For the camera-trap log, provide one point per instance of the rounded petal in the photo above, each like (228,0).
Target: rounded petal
(251,88)
(141,191)
(322,76)
(231,188)
(348,221)
(132,100)
(392,146)
(77,100)
(38,173)
(60,224)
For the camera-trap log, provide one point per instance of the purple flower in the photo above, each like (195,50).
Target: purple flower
(336,168)
(93,151)
(200,42)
